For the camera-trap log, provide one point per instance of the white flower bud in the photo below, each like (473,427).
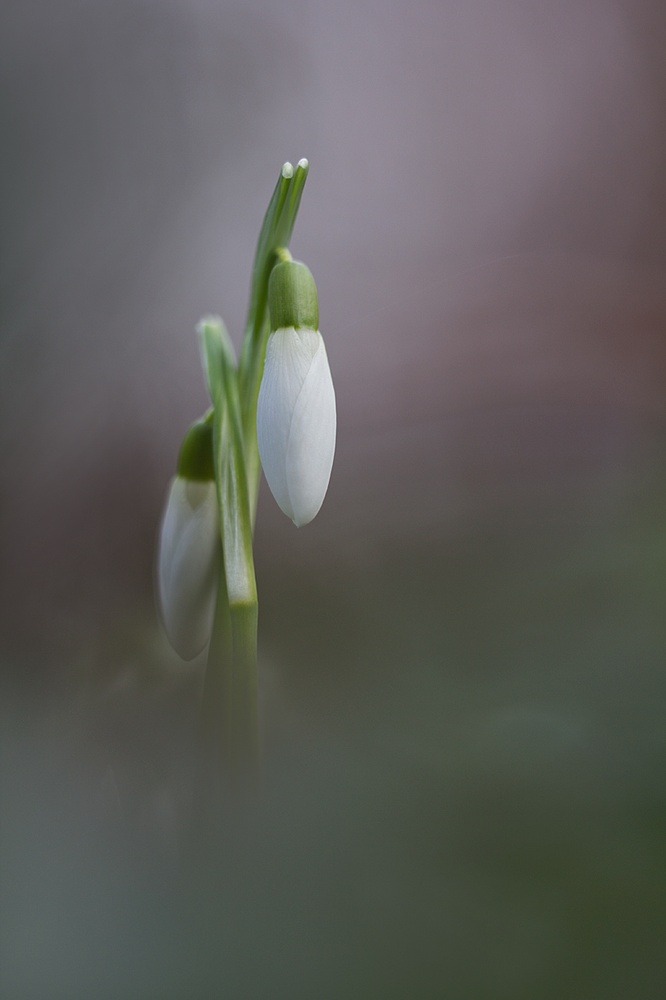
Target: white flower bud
(187,564)
(296,421)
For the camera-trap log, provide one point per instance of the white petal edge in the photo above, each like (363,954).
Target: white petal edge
(188,564)
(296,421)
(311,445)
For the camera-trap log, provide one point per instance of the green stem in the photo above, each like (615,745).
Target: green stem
(232,661)
(229,705)
(245,734)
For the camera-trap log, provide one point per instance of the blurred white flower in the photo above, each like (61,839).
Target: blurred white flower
(187,564)
(296,421)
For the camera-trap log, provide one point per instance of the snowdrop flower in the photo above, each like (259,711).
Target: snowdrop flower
(296,419)
(189,547)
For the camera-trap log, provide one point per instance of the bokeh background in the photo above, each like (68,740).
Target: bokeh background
(463,658)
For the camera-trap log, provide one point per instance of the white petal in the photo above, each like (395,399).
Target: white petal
(187,565)
(296,421)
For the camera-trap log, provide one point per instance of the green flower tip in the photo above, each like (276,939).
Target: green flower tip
(195,459)
(292,297)
(303,164)
(208,321)
(287,170)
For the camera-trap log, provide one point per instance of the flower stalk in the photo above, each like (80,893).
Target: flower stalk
(225,609)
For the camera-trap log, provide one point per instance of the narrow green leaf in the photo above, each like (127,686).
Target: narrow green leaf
(229,462)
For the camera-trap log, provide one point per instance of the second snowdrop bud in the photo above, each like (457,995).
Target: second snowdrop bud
(189,547)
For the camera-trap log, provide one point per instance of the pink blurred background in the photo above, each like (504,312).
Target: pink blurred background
(485,217)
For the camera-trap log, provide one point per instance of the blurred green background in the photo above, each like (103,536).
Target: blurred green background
(462,660)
